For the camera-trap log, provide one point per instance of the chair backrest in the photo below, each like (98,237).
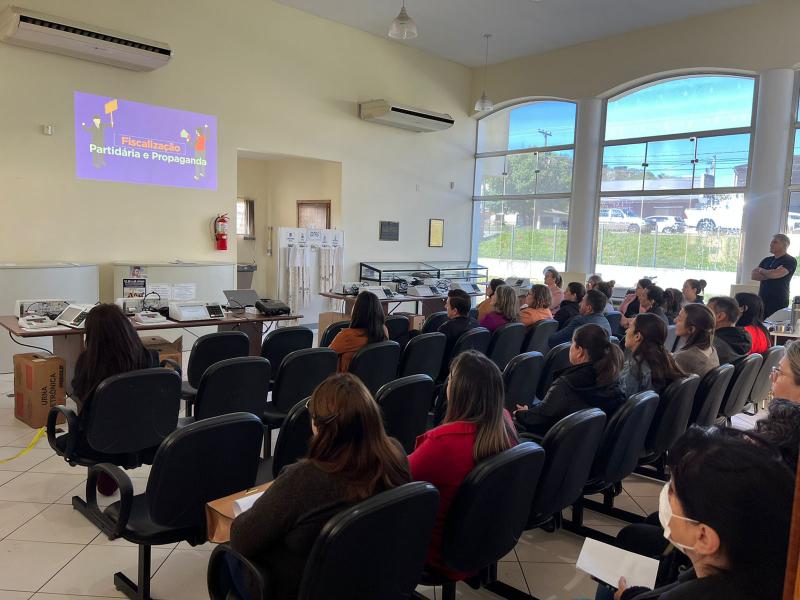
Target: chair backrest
(570,447)
(624,437)
(505,343)
(476,338)
(672,336)
(405,403)
(300,372)
(672,415)
(330,332)
(491,508)
(521,379)
(133,411)
(708,398)
(763,383)
(293,438)
(212,348)
(397,326)
(233,385)
(423,355)
(279,343)
(203,461)
(557,359)
(744,376)
(537,335)
(615,321)
(376,364)
(434,321)
(374,550)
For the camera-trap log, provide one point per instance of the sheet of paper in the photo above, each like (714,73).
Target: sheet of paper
(245,503)
(184,291)
(162,289)
(608,563)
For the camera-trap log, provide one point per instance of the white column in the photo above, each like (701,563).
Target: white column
(763,208)
(583,209)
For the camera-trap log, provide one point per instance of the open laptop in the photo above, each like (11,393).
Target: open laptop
(241,298)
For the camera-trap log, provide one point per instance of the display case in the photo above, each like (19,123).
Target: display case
(459,270)
(385,272)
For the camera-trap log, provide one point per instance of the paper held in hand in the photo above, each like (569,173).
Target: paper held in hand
(608,563)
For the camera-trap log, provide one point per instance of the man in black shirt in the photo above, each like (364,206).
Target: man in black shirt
(457,305)
(731,342)
(775,273)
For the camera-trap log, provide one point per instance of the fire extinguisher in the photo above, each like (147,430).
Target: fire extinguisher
(221,232)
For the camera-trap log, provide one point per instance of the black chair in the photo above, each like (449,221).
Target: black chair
(207,350)
(521,379)
(374,550)
(476,339)
(281,342)
(473,313)
(537,335)
(330,332)
(129,416)
(557,359)
(570,447)
(194,465)
(230,386)
(397,326)
(672,337)
(763,384)
(293,438)
(669,423)
(423,355)
(376,364)
(434,321)
(736,396)
(615,320)
(487,517)
(505,343)
(622,445)
(299,373)
(405,403)
(708,398)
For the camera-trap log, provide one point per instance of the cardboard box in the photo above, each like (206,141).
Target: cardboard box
(414,321)
(219,514)
(328,318)
(165,349)
(38,385)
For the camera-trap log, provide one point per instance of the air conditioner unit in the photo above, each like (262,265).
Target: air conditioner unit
(404,117)
(23,27)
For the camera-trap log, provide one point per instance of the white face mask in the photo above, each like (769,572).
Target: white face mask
(665,516)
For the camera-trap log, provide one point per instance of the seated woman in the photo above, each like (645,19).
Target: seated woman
(673,299)
(706,512)
(552,279)
(651,301)
(630,305)
(607,287)
(485,307)
(366,327)
(505,308)
(591,382)
(781,426)
(649,366)
(573,294)
(592,281)
(538,305)
(752,319)
(695,328)
(350,458)
(475,427)
(693,291)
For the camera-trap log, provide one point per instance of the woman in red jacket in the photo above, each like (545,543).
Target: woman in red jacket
(475,427)
(752,309)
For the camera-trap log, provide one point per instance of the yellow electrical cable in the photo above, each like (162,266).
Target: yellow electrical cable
(24,451)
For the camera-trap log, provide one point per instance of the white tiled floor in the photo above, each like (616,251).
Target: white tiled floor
(48,551)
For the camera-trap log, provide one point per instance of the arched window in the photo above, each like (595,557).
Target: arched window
(523,187)
(793,214)
(675,165)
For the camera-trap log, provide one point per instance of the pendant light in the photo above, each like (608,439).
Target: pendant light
(403,27)
(484,104)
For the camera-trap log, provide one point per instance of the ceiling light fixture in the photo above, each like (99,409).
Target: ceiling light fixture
(484,104)
(403,27)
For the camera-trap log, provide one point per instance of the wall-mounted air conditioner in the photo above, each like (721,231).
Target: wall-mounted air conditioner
(404,117)
(23,27)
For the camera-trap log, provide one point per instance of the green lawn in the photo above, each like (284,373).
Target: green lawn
(702,252)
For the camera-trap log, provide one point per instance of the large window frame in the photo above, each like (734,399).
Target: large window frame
(697,134)
(795,129)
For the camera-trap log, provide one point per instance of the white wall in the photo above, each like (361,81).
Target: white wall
(280,81)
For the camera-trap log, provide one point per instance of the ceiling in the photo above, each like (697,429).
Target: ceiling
(452,29)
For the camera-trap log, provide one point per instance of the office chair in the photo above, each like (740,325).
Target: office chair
(207,350)
(281,342)
(404,404)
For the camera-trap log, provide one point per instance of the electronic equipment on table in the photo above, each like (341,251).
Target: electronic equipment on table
(470,288)
(423,291)
(521,285)
(130,306)
(148,317)
(36,322)
(74,315)
(42,307)
(350,288)
(241,298)
(383,293)
(195,311)
(272,308)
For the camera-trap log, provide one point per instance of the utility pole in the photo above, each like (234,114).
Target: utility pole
(546,134)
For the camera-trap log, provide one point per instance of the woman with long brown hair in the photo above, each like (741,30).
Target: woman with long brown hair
(694,326)
(350,458)
(649,366)
(475,427)
(367,326)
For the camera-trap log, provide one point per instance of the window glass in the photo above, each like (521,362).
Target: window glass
(531,125)
(623,167)
(685,105)
(670,165)
(796,158)
(524,174)
(722,161)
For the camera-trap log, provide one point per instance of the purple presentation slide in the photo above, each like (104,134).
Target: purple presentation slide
(130,142)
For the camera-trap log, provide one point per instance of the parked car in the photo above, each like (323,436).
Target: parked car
(793,222)
(723,217)
(665,224)
(619,219)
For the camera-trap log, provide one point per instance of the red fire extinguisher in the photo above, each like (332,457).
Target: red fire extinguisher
(221,232)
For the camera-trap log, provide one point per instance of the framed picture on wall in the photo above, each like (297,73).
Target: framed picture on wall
(435,233)
(389,231)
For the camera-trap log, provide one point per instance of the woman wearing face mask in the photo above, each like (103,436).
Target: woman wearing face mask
(736,552)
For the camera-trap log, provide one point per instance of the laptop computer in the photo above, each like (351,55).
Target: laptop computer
(241,298)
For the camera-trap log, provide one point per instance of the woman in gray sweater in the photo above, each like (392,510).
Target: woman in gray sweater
(695,326)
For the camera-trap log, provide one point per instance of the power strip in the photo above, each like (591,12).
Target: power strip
(41,307)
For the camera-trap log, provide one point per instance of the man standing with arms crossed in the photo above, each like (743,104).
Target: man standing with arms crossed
(775,273)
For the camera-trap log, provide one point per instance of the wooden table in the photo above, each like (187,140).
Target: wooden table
(430,304)
(68,341)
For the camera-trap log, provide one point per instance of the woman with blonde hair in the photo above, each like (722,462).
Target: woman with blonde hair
(537,305)
(506,308)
